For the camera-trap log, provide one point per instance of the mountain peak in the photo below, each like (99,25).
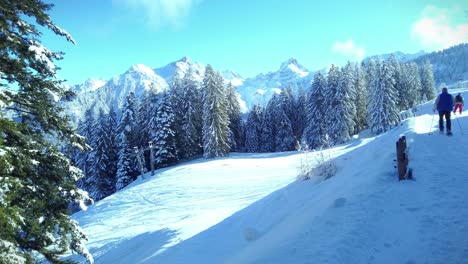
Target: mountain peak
(291,60)
(141,68)
(293,65)
(185,59)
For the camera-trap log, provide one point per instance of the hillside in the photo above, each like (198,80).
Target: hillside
(249,208)
(449,65)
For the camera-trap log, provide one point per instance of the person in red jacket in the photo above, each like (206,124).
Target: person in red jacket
(458,103)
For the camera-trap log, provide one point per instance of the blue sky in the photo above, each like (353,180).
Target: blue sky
(248,37)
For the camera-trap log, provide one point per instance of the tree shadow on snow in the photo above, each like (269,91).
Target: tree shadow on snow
(135,249)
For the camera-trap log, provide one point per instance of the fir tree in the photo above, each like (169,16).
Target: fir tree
(410,80)
(342,123)
(37,181)
(360,86)
(253,129)
(314,133)
(427,82)
(164,135)
(383,111)
(177,97)
(234,115)
(299,117)
(331,101)
(284,139)
(190,135)
(268,125)
(85,159)
(127,169)
(103,183)
(215,116)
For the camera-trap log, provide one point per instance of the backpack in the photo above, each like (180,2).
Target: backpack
(458,99)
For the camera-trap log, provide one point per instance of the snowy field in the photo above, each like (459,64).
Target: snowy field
(249,208)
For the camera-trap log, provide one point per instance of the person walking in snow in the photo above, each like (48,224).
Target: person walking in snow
(458,103)
(444,104)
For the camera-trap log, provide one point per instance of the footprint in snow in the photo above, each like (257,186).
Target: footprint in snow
(340,202)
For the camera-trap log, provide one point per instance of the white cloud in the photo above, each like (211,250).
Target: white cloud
(349,49)
(162,12)
(440,28)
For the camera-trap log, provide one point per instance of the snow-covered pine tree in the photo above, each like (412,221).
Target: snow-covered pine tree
(268,125)
(411,82)
(284,140)
(397,76)
(85,159)
(331,102)
(344,112)
(190,135)
(127,167)
(299,116)
(164,136)
(314,133)
(234,114)
(176,93)
(215,116)
(415,82)
(112,127)
(99,182)
(37,181)
(143,113)
(253,129)
(427,82)
(383,111)
(360,86)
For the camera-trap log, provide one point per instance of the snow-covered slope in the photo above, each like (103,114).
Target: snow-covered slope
(249,208)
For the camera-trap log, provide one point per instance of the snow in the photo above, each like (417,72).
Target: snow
(41,53)
(249,208)
(141,68)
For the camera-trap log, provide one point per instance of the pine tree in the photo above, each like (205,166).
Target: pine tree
(383,111)
(37,181)
(112,151)
(143,114)
(85,159)
(103,183)
(127,169)
(268,125)
(190,135)
(331,101)
(234,115)
(164,135)
(427,82)
(342,123)
(360,86)
(299,117)
(316,130)
(253,129)
(215,117)
(284,140)
(177,93)
(410,80)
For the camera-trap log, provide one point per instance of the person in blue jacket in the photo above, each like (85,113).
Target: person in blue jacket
(444,104)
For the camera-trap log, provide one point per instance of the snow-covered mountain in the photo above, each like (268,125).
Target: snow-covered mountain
(97,94)
(249,208)
(259,89)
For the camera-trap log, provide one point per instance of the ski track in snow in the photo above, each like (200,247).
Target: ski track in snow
(248,208)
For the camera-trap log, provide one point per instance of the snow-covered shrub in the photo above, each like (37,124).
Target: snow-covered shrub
(315,163)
